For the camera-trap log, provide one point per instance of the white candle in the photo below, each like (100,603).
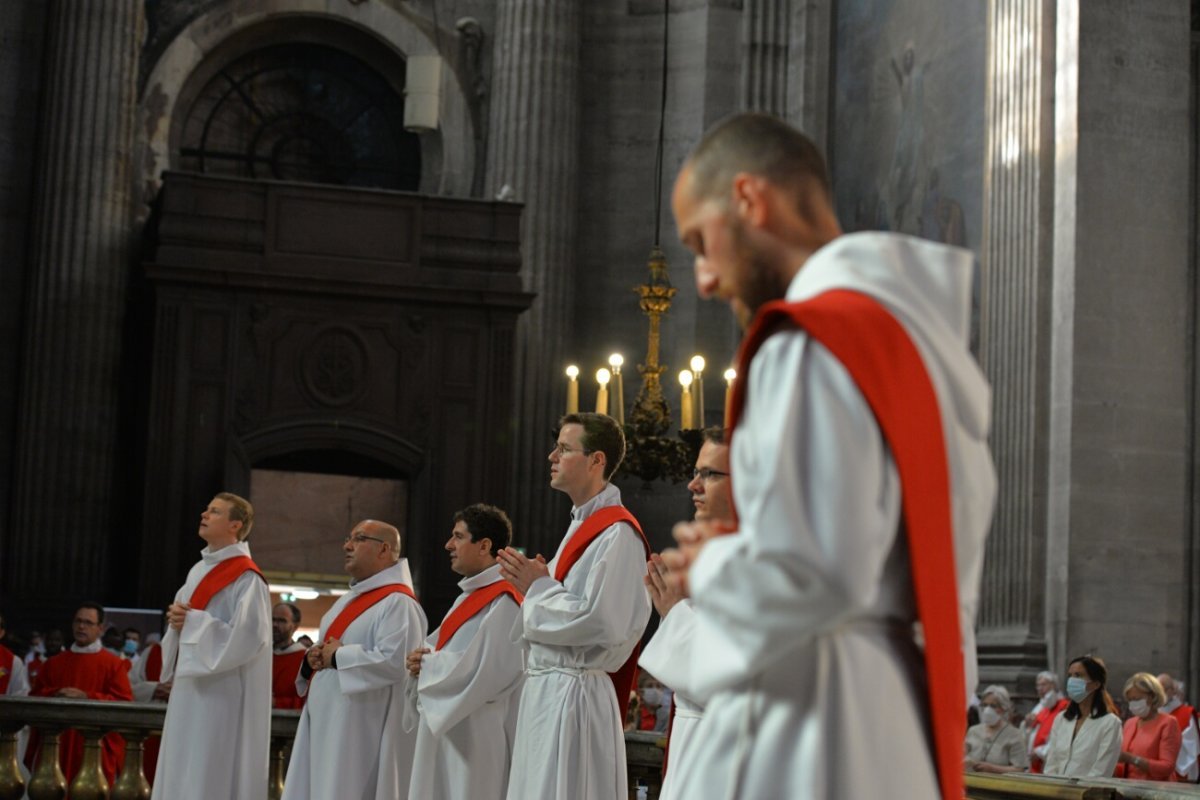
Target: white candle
(685,401)
(698,390)
(730,377)
(572,389)
(602,377)
(615,361)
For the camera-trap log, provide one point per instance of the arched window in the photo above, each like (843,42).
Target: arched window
(301,112)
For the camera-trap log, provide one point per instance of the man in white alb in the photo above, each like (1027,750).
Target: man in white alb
(669,656)
(216,656)
(351,741)
(467,677)
(858,401)
(583,615)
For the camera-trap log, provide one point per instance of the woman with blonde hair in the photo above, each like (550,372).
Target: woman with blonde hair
(1151,740)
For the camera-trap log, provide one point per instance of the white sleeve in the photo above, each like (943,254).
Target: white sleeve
(614,606)
(1057,748)
(1108,747)
(18,682)
(453,684)
(396,630)
(1189,752)
(210,646)
(812,545)
(669,655)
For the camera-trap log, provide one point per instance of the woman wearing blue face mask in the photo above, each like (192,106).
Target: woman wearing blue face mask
(1085,741)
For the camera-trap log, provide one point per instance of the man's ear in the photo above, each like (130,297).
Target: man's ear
(603,459)
(485,543)
(751,200)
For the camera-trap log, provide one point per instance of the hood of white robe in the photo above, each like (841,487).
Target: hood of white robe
(927,286)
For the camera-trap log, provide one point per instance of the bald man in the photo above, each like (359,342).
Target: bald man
(351,741)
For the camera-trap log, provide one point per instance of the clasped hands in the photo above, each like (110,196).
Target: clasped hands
(667,574)
(519,570)
(176,614)
(320,656)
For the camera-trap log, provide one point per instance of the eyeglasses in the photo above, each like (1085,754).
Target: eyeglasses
(359,538)
(706,474)
(87,623)
(562,450)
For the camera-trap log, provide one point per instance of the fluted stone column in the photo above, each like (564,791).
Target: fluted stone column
(765,30)
(1014,326)
(63,494)
(810,61)
(534,148)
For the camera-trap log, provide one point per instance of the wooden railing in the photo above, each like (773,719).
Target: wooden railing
(136,721)
(1015,786)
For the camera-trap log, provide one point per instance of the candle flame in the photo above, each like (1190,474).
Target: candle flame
(603,376)
(572,372)
(685,378)
(615,361)
(730,374)
(697,363)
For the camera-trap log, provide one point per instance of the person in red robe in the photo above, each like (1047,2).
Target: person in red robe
(286,658)
(1041,719)
(1187,768)
(86,672)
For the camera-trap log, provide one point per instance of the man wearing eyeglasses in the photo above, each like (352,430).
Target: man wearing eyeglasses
(583,616)
(85,672)
(351,741)
(216,655)
(669,655)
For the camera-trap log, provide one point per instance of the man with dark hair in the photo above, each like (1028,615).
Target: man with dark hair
(217,661)
(468,674)
(583,616)
(86,672)
(287,656)
(863,484)
(669,656)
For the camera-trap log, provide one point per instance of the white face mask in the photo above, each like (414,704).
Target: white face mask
(989,716)
(652,697)
(1049,698)
(1139,708)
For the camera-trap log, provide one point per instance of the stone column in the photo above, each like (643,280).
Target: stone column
(810,62)
(765,30)
(64,501)
(533,148)
(1014,326)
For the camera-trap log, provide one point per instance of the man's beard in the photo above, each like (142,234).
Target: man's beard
(758,283)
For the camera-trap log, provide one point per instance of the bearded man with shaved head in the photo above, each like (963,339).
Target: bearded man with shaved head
(351,741)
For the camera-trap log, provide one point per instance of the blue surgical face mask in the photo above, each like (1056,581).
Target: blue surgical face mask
(130,647)
(1077,689)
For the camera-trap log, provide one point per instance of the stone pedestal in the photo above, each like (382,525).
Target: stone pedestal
(64,500)
(534,149)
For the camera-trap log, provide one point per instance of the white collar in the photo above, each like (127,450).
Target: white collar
(485,578)
(610,495)
(94,647)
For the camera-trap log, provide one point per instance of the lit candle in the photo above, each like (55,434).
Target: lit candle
(730,377)
(572,389)
(685,401)
(698,371)
(615,361)
(602,377)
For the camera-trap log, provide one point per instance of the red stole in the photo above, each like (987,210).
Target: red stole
(888,370)
(220,576)
(476,601)
(284,668)
(600,521)
(1045,721)
(6,666)
(358,605)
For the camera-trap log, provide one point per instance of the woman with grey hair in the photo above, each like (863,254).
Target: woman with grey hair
(994,745)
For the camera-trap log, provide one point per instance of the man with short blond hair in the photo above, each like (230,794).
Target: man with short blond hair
(216,656)
(669,656)
(351,741)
